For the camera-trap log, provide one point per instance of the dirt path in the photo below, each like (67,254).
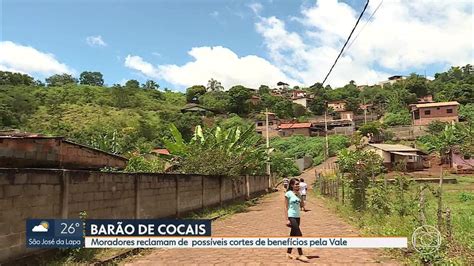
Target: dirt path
(267,218)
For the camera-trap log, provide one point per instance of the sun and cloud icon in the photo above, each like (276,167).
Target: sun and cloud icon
(42,227)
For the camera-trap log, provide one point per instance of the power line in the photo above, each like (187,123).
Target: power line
(348,38)
(355,38)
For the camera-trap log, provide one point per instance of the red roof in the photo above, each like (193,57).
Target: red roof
(161,151)
(295,125)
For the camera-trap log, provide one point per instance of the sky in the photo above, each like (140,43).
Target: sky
(180,43)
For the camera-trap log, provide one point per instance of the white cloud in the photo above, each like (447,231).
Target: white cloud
(26,59)
(402,35)
(217,62)
(95,41)
(214,14)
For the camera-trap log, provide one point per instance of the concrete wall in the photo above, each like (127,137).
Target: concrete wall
(43,152)
(295,131)
(47,193)
(408,132)
(304,163)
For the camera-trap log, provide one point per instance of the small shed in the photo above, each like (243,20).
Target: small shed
(290,129)
(195,108)
(35,151)
(397,154)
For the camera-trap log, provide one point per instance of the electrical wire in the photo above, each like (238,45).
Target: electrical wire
(348,38)
(355,38)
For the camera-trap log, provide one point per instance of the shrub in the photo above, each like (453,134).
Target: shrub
(140,164)
(436,127)
(401,118)
(282,166)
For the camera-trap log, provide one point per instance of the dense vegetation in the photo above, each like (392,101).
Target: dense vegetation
(133,118)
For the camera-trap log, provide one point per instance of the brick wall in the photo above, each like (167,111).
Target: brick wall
(437,113)
(47,193)
(39,152)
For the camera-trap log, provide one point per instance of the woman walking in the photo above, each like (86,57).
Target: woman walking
(292,212)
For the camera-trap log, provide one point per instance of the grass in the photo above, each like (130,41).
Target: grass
(459,198)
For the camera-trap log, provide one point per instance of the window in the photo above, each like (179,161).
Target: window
(260,124)
(449,111)
(427,112)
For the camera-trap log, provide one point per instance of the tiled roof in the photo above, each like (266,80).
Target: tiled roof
(295,125)
(161,151)
(423,105)
(393,147)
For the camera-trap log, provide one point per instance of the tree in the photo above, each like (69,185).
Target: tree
(193,93)
(283,108)
(214,85)
(417,84)
(150,85)
(60,80)
(234,151)
(298,110)
(361,166)
(400,118)
(217,101)
(317,106)
(91,78)
(263,89)
(239,99)
(10,78)
(132,84)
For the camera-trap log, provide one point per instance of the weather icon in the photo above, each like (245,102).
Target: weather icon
(42,227)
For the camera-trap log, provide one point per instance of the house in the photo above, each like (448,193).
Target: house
(273,123)
(462,163)
(255,100)
(347,115)
(337,106)
(391,80)
(36,151)
(290,129)
(282,86)
(426,99)
(195,108)
(425,113)
(396,154)
(301,101)
(296,94)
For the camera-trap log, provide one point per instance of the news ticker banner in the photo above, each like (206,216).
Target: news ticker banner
(141,233)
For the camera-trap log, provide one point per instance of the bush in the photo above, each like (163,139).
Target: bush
(436,127)
(282,166)
(401,118)
(139,164)
(374,128)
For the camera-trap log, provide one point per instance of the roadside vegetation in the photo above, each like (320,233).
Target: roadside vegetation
(394,210)
(380,207)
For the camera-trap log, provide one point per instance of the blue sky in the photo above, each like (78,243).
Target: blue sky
(241,42)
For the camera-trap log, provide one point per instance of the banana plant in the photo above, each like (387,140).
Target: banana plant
(241,145)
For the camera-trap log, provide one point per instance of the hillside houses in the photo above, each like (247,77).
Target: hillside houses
(425,113)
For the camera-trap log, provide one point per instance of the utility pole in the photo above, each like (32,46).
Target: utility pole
(365,112)
(326,128)
(413,125)
(268,150)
